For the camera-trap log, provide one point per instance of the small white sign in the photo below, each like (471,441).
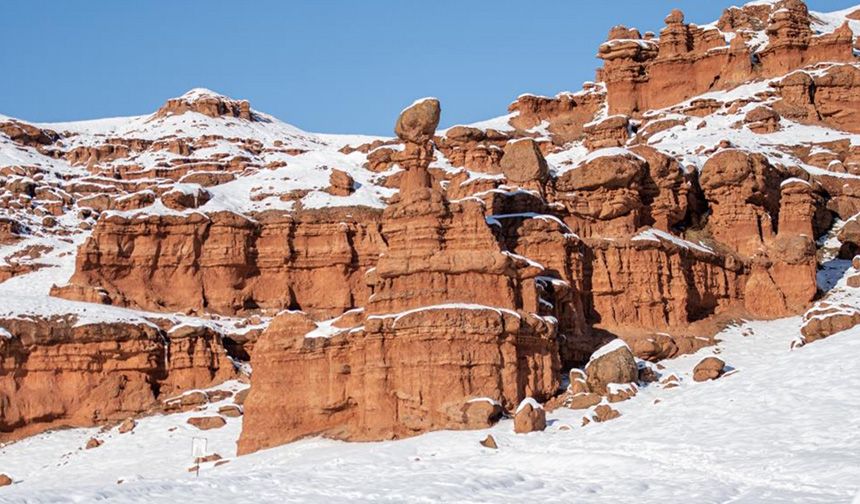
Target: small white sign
(198,447)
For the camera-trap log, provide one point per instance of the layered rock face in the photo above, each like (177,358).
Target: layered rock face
(230,264)
(55,373)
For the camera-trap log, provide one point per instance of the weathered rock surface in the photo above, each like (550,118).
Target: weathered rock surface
(529,417)
(612,363)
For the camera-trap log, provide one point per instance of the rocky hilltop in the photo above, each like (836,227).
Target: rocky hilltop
(378,288)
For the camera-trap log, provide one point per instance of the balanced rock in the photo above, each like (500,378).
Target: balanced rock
(612,363)
(709,368)
(523,162)
(417,123)
(529,417)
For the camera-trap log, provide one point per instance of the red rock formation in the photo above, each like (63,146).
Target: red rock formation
(55,373)
(203,101)
(688,60)
(229,264)
(566,113)
(830,97)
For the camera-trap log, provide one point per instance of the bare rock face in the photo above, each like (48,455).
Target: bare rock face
(523,162)
(612,363)
(417,123)
(829,97)
(227,263)
(529,417)
(348,396)
(614,131)
(53,372)
(566,113)
(709,368)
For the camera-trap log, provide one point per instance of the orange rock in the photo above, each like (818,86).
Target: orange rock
(230,411)
(5,480)
(127,425)
(709,368)
(824,321)
(93,443)
(604,413)
(207,422)
(489,442)
(584,400)
(417,123)
(612,363)
(523,162)
(529,417)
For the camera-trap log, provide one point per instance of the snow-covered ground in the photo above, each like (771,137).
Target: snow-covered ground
(785,427)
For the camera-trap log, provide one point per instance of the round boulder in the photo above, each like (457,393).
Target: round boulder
(612,363)
(417,123)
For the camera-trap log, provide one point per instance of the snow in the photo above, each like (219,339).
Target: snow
(659,235)
(444,306)
(528,401)
(608,348)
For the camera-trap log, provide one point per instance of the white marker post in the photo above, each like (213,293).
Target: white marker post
(198,451)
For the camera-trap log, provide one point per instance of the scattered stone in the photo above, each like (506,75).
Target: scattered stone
(195,398)
(710,368)
(825,320)
(230,411)
(584,400)
(93,443)
(127,425)
(604,413)
(489,442)
(481,413)
(218,395)
(207,422)
(5,480)
(209,458)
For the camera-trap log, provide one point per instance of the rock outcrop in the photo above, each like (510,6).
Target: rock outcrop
(55,373)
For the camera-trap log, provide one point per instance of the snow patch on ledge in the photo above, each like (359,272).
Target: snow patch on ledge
(446,306)
(4,334)
(659,235)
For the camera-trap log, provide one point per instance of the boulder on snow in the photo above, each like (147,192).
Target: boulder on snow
(240,396)
(5,480)
(604,413)
(584,400)
(186,196)
(489,442)
(207,422)
(826,320)
(709,368)
(612,363)
(127,425)
(417,123)
(578,383)
(524,162)
(529,417)
(341,183)
(93,443)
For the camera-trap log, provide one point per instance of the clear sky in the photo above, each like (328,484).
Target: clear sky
(322,65)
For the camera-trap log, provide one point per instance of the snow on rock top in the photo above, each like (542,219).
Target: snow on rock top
(529,401)
(608,348)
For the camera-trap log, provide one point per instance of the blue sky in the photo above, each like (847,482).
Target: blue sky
(322,65)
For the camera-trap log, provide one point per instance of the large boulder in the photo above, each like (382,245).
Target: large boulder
(523,162)
(417,123)
(709,368)
(826,320)
(529,417)
(612,363)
